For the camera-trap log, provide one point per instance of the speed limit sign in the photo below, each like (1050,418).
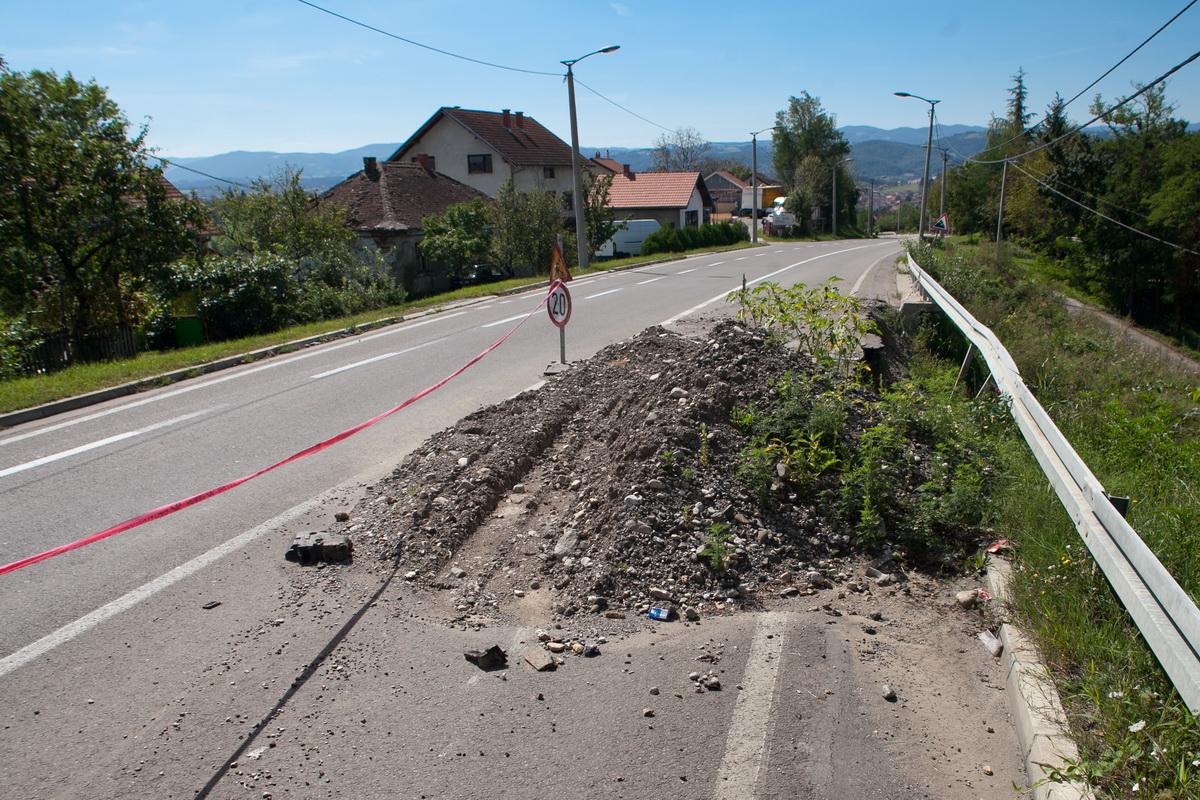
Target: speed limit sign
(558,304)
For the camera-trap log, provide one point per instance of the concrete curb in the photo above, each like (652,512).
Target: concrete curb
(1034,703)
(164,379)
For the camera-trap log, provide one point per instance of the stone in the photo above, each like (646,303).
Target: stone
(309,548)
(712,683)
(491,659)
(816,580)
(691,614)
(518,593)
(888,693)
(410,575)
(591,651)
(342,516)
(457,572)
(462,462)
(693,676)
(987,769)
(566,543)
(968,598)
(741,519)
(614,614)
(647,712)
(539,659)
(677,393)
(655,485)
(660,594)
(869,630)
(632,500)
(518,488)
(654,690)
(876,615)
(577,648)
(556,647)
(790,591)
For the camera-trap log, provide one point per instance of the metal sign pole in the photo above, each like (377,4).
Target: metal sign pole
(562,345)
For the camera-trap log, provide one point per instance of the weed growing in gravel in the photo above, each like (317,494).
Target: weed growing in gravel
(703,444)
(716,546)
(669,460)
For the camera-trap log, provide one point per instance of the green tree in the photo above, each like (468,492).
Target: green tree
(84,218)
(524,225)
(460,236)
(600,221)
(809,151)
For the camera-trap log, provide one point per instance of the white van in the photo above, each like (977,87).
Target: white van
(628,240)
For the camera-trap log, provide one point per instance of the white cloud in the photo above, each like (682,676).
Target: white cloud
(622,9)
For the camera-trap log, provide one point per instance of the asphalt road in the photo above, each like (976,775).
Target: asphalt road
(72,475)
(115,681)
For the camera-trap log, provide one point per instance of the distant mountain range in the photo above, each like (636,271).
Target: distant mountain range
(883,155)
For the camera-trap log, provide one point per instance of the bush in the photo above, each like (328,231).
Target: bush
(676,240)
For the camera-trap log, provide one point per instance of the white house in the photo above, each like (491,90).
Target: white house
(675,199)
(483,149)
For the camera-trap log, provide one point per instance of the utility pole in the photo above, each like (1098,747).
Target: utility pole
(754,182)
(871,209)
(1000,213)
(928,153)
(580,223)
(942,202)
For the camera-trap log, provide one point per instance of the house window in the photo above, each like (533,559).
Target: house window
(430,162)
(691,219)
(548,173)
(479,164)
(568,201)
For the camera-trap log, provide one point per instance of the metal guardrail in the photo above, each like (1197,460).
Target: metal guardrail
(1165,614)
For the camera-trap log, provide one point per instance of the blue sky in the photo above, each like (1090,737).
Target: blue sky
(218,75)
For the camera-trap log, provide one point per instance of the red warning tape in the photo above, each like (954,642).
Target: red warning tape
(179,505)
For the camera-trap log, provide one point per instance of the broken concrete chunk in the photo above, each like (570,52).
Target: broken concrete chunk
(311,547)
(539,659)
(968,598)
(490,659)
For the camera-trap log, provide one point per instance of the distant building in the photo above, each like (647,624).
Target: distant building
(483,149)
(675,199)
(385,203)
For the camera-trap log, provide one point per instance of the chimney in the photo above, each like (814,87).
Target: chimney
(423,160)
(628,172)
(370,166)
(507,119)
(520,119)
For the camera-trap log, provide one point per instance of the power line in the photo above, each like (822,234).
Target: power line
(623,108)
(1107,72)
(1102,215)
(1104,200)
(167,163)
(1096,118)
(424,46)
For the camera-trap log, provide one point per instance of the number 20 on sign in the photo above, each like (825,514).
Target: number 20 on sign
(558,306)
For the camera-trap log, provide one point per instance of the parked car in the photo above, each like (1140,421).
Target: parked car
(628,240)
(476,274)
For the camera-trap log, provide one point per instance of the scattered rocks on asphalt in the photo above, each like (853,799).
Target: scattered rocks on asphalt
(888,693)
(491,659)
(540,660)
(313,546)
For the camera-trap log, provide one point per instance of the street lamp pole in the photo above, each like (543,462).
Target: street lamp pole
(754,182)
(580,222)
(928,152)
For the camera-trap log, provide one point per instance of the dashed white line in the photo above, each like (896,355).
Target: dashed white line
(716,263)
(651,280)
(502,321)
(83,448)
(686,271)
(743,258)
(759,255)
(373,359)
(601,294)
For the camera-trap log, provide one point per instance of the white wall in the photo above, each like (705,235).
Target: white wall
(695,203)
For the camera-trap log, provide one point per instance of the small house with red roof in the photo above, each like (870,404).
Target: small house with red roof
(483,149)
(675,199)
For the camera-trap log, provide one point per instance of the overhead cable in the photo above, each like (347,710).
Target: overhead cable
(1102,215)
(1096,118)
(623,108)
(168,163)
(1107,72)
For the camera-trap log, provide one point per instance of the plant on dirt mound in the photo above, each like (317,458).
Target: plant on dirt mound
(920,476)
(827,324)
(716,546)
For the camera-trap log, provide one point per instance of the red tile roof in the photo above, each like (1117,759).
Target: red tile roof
(523,142)
(610,164)
(396,196)
(656,190)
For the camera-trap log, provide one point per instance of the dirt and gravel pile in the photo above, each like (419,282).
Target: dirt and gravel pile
(601,491)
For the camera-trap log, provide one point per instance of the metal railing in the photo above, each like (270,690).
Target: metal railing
(1164,613)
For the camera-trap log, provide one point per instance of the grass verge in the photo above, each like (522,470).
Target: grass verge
(1136,423)
(83,378)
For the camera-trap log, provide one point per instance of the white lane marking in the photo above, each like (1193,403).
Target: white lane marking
(504,302)
(373,359)
(715,264)
(858,283)
(317,350)
(651,280)
(759,255)
(601,294)
(506,319)
(147,590)
(743,258)
(722,295)
(746,743)
(686,271)
(83,448)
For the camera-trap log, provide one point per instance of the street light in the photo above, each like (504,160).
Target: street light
(580,232)
(928,151)
(754,181)
(833,226)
